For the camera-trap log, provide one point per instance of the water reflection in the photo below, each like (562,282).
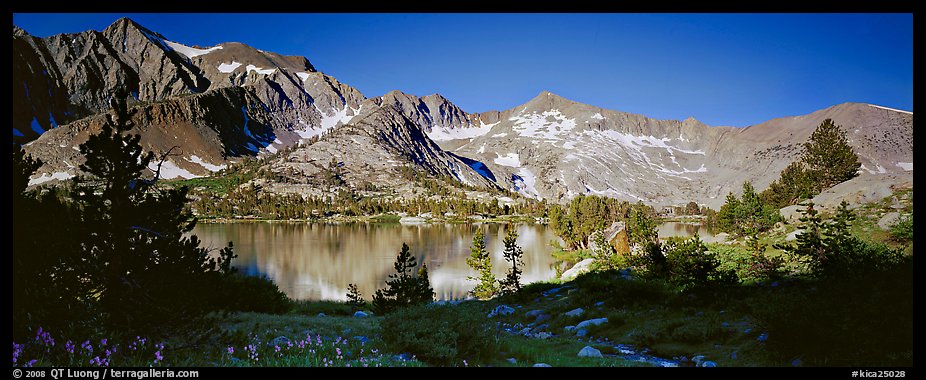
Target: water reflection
(682,229)
(316,261)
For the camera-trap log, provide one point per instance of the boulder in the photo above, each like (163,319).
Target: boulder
(541,365)
(580,267)
(591,322)
(575,312)
(279,341)
(533,313)
(543,335)
(501,310)
(512,360)
(581,333)
(361,314)
(708,363)
(888,220)
(590,352)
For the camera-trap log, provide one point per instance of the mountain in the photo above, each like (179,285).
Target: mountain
(556,149)
(211,106)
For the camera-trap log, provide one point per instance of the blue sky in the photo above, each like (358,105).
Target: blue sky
(723,69)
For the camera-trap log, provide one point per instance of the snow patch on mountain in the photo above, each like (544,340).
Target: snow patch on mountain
(259,70)
(45,177)
(548,125)
(598,116)
(170,170)
(510,159)
(210,167)
(891,109)
(908,166)
(190,51)
(303,76)
(445,133)
(228,67)
(525,183)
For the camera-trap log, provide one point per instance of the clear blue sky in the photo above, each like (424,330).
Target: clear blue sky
(723,69)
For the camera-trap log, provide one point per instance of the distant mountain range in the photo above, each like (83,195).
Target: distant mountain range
(215,105)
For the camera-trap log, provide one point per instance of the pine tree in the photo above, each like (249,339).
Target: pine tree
(402,289)
(514,256)
(642,228)
(829,156)
(481,261)
(810,246)
(354,298)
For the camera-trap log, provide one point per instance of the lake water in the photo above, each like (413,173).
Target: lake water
(683,229)
(316,261)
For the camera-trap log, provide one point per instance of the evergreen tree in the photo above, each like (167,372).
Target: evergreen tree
(354,298)
(641,227)
(513,255)
(829,156)
(481,261)
(402,289)
(810,247)
(424,293)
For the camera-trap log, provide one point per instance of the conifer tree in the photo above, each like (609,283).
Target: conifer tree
(403,289)
(514,256)
(829,156)
(481,261)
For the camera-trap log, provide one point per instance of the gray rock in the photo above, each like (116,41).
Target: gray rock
(580,267)
(525,331)
(512,360)
(599,304)
(533,313)
(591,322)
(590,352)
(542,318)
(321,315)
(793,235)
(575,312)
(541,365)
(551,292)
(361,314)
(543,335)
(888,220)
(501,310)
(698,359)
(762,337)
(279,341)
(581,333)
(569,329)
(708,363)
(797,362)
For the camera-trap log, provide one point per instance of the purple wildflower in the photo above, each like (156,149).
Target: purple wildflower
(158,357)
(30,363)
(103,342)
(69,347)
(231,350)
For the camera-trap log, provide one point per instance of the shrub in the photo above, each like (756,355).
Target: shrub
(238,292)
(690,263)
(902,231)
(440,334)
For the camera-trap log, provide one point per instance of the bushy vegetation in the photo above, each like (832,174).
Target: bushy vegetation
(444,335)
(583,216)
(121,257)
(746,215)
